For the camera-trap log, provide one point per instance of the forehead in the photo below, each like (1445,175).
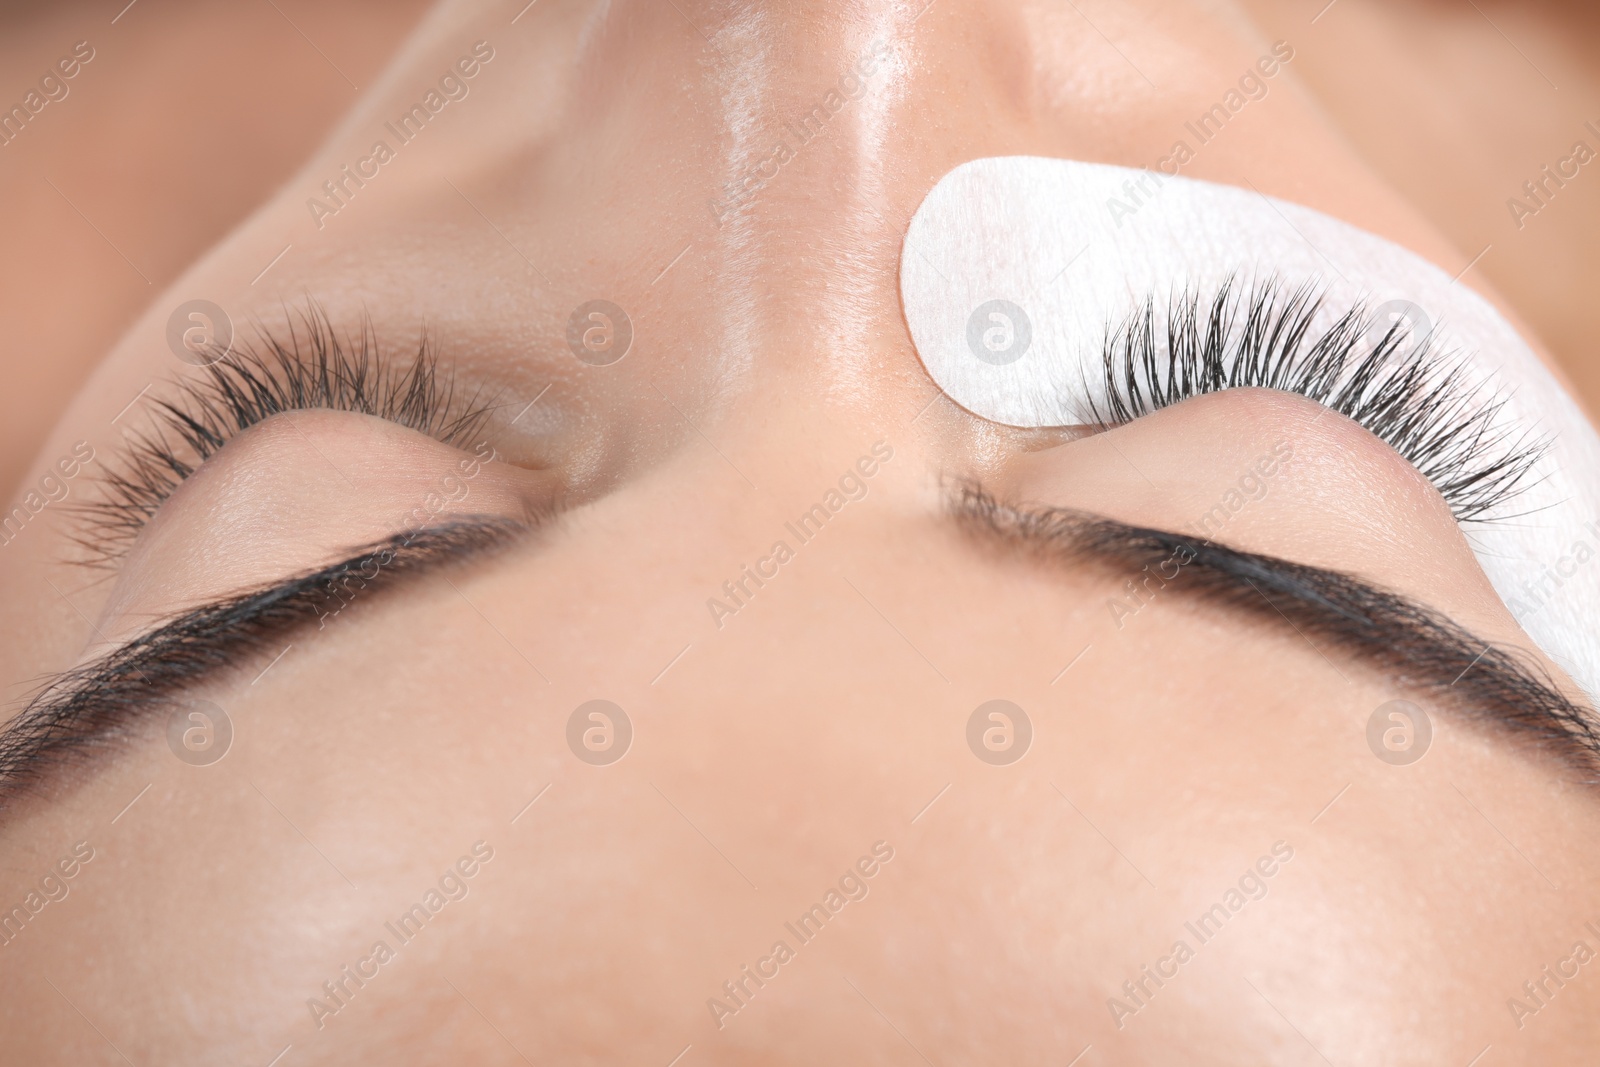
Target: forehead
(1167,773)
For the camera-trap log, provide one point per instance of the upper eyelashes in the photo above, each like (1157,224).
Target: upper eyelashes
(309,367)
(1414,397)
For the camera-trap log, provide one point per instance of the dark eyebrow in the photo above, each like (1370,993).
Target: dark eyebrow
(88,709)
(1417,646)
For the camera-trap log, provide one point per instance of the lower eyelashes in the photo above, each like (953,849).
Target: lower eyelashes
(1399,387)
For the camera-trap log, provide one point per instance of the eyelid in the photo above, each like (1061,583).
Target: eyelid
(1273,473)
(1403,389)
(307,366)
(290,494)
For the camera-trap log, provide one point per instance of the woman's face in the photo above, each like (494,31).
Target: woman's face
(797,830)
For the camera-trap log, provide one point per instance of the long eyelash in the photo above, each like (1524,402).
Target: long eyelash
(1415,397)
(308,367)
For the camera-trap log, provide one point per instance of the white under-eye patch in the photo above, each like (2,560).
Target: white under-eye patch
(1015,270)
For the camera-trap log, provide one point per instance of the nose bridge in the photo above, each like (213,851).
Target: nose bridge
(786,138)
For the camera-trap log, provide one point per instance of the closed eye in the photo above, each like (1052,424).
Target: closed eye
(1401,388)
(309,367)
(232,522)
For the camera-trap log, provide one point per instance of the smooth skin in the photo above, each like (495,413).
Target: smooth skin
(774,748)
